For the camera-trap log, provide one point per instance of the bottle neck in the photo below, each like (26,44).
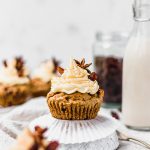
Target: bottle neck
(141,10)
(141,29)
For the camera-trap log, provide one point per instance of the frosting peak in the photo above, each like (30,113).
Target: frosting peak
(74,71)
(14,72)
(45,71)
(74,79)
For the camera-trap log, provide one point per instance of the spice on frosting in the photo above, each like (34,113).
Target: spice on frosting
(92,75)
(82,64)
(60,70)
(56,64)
(18,64)
(14,72)
(76,78)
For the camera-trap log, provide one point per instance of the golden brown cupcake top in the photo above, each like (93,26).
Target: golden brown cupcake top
(76,78)
(34,141)
(14,72)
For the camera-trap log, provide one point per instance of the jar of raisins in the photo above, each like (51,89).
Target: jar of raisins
(108,51)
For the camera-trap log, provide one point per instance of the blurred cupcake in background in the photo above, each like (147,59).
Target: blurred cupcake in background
(41,77)
(29,140)
(14,82)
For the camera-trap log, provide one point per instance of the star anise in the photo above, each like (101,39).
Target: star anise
(39,137)
(5,63)
(92,75)
(40,131)
(19,66)
(82,64)
(56,64)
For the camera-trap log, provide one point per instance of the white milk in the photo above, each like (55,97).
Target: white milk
(136,83)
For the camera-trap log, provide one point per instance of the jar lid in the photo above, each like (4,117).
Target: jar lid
(112,36)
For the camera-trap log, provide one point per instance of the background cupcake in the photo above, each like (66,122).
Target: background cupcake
(14,82)
(75,95)
(41,77)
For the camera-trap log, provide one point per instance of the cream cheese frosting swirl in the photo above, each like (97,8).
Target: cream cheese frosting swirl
(74,79)
(9,74)
(45,71)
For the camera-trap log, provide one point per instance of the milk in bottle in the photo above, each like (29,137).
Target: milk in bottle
(136,70)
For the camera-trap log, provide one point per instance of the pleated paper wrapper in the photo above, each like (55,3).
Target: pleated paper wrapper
(72,132)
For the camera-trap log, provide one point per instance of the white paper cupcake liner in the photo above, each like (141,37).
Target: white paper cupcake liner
(72,132)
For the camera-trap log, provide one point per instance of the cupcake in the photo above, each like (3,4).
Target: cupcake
(14,82)
(75,95)
(41,78)
(34,141)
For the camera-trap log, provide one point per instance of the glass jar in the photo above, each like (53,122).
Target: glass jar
(108,51)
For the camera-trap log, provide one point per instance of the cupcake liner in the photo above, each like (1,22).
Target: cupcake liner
(74,111)
(71,132)
(76,106)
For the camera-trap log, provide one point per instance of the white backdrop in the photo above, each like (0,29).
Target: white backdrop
(40,29)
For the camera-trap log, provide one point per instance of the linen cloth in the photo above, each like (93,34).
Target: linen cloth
(14,119)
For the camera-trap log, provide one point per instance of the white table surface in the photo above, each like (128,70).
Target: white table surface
(14,119)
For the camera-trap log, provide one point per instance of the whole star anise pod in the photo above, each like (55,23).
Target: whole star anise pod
(40,131)
(19,66)
(92,75)
(82,64)
(39,137)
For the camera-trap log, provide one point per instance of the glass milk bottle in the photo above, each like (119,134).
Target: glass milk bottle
(136,70)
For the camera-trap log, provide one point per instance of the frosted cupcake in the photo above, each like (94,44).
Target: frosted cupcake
(34,141)
(14,82)
(41,78)
(75,95)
